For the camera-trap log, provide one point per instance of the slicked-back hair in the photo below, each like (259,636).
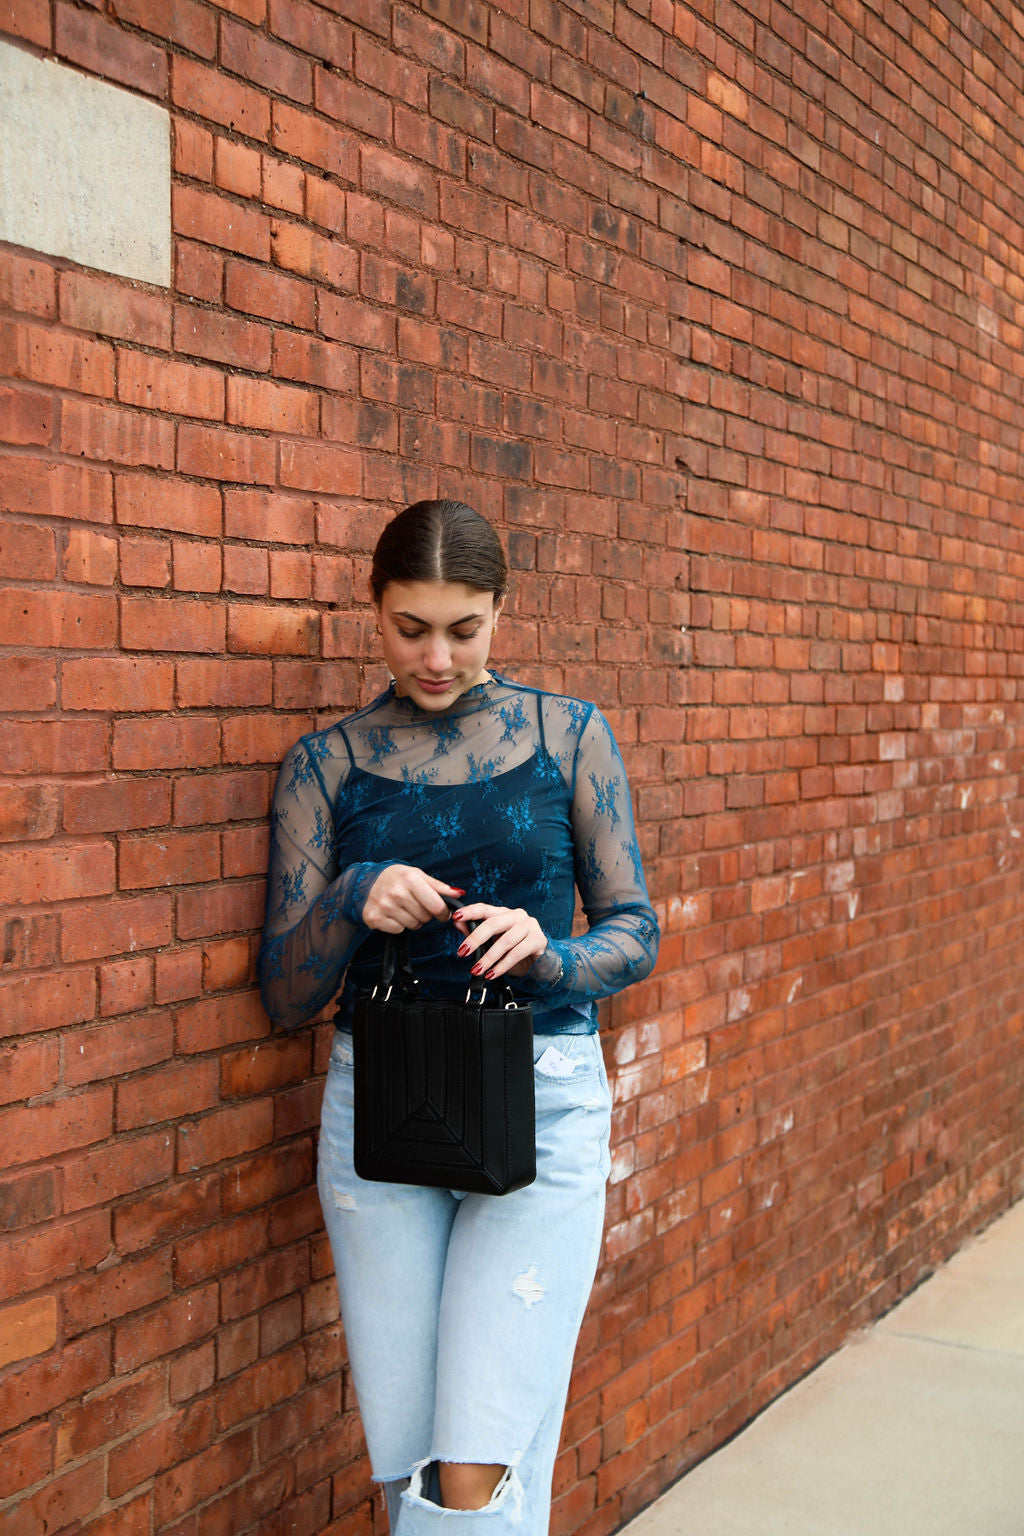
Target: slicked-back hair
(440,541)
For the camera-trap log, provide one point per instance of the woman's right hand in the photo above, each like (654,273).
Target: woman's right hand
(403,896)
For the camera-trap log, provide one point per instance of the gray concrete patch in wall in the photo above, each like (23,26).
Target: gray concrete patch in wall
(85,169)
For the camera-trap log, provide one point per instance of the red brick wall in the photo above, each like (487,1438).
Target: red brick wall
(717,310)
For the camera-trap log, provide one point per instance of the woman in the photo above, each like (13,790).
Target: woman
(461,1312)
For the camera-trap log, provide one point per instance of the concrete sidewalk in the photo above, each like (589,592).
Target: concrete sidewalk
(915,1428)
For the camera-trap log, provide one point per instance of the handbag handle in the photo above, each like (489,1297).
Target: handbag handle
(396,969)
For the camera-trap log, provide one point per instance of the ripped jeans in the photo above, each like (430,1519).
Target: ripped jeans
(461,1312)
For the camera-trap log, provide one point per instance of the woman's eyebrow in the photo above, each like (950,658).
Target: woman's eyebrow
(415,619)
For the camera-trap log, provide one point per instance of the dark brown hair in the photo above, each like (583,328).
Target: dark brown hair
(440,541)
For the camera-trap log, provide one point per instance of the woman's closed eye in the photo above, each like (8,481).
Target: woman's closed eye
(418,634)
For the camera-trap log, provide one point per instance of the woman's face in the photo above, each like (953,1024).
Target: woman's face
(436,636)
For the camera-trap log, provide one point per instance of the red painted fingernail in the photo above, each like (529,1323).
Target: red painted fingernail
(476,970)
(456,916)
(457,891)
(489,976)
(463,949)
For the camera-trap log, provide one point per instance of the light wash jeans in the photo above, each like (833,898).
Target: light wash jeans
(461,1312)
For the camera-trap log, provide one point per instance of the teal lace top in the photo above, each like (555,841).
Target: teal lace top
(515,796)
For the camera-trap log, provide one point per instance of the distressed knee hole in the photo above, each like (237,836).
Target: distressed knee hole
(528,1287)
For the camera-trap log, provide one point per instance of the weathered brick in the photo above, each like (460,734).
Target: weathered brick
(171,624)
(47,1130)
(89,933)
(46,489)
(147,501)
(163,384)
(223,455)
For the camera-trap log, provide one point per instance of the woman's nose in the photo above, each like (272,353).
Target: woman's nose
(438,653)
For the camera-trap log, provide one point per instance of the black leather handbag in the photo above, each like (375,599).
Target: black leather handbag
(443,1088)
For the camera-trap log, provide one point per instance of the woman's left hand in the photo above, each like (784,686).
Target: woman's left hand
(506,941)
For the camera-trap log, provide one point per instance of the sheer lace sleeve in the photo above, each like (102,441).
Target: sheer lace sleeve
(622,943)
(312,925)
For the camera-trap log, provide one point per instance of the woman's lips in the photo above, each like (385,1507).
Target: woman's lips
(433,686)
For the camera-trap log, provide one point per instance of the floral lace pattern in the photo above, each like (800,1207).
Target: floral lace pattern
(513,795)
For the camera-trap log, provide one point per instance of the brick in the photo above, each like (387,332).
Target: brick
(225,1133)
(111,1293)
(94,1053)
(313,141)
(237,168)
(112,307)
(33,1003)
(222,338)
(220,1249)
(47,1130)
(227,963)
(28,285)
(260,1070)
(321,468)
(57,873)
(309,360)
(271,407)
(196,1480)
(27,552)
(214,798)
(227,909)
(214,1021)
(164,384)
(197,567)
(26,416)
(177,975)
(410,186)
(256,291)
(264,62)
(226,682)
(116,805)
(28,1459)
(90,558)
(138,923)
(167,1094)
(162,1214)
(170,1326)
(265,629)
(27,812)
(182,21)
(126,984)
(171,624)
(117,683)
(321,36)
(69,619)
(55,1380)
(170,858)
(246,570)
(145,562)
(222,455)
(117,436)
(146,501)
(26,683)
(96,1178)
(59,1504)
(214,220)
(255,738)
(110,1413)
(56,490)
(209,94)
(43,356)
(164,1443)
(108,51)
(28,1068)
(192,741)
